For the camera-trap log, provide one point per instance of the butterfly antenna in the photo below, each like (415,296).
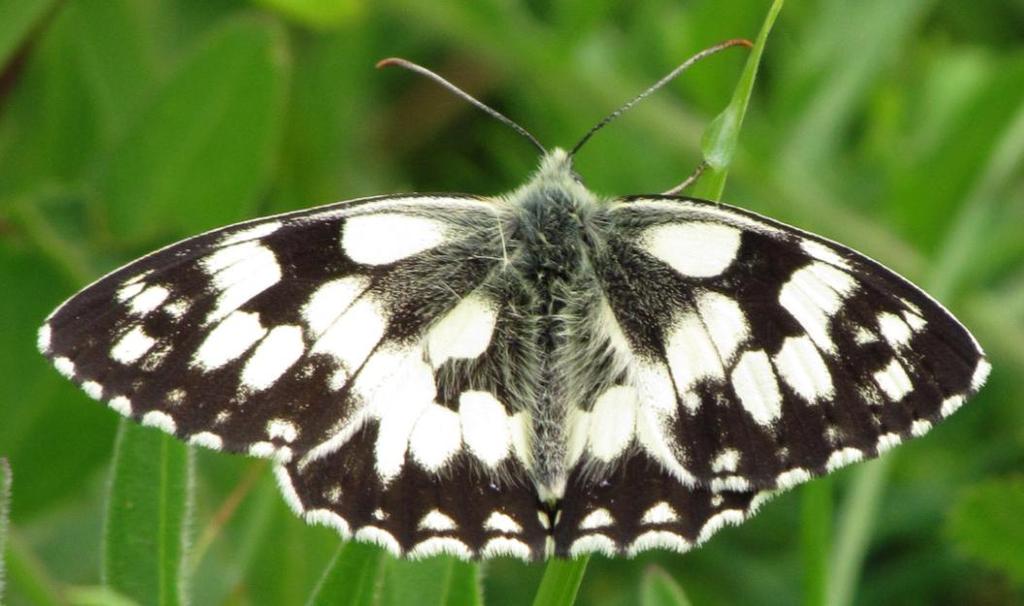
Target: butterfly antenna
(500,117)
(660,83)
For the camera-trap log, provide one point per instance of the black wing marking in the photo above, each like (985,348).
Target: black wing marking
(788,355)
(417,514)
(641,506)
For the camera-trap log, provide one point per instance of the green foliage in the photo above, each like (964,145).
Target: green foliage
(986,523)
(659,589)
(5,514)
(896,127)
(145,533)
(561,582)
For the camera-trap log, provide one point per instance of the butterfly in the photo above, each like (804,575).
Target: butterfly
(543,373)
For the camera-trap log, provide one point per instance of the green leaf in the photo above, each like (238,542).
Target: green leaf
(41,402)
(5,516)
(353,577)
(986,524)
(97,596)
(148,504)
(201,154)
(317,13)
(561,582)
(719,144)
(20,17)
(437,581)
(658,588)
(815,539)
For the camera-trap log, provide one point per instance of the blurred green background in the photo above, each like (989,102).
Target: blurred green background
(894,126)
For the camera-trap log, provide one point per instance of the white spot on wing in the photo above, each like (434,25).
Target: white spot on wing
(599,518)
(440,545)
(130,289)
(578,432)
(229,340)
(893,380)
(843,457)
(803,369)
(887,442)
(980,375)
(326,517)
(730,517)
(500,522)
(240,272)
(43,338)
(206,439)
(121,405)
(283,429)
(661,513)
(754,381)
(727,460)
(398,386)
(485,427)
(379,537)
(658,539)
(352,337)
(504,546)
(284,484)
(132,346)
(331,300)
(612,422)
(724,321)
(823,253)
(93,389)
(160,420)
(435,438)
(275,354)
(520,427)
(695,249)
(692,356)
(148,300)
(920,427)
(464,332)
(792,477)
(382,238)
(252,233)
(437,521)
(894,330)
(812,295)
(951,405)
(593,543)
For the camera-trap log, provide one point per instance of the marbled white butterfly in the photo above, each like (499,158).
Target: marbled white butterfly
(546,372)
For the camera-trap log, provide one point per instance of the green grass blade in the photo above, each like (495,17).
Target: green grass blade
(20,17)
(561,582)
(439,581)
(353,578)
(815,537)
(144,539)
(5,514)
(658,588)
(719,145)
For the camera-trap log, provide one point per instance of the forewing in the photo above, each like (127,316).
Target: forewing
(763,355)
(250,338)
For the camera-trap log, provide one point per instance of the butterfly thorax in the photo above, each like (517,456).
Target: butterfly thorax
(554,242)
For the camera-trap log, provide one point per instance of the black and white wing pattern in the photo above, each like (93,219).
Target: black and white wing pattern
(314,338)
(760,356)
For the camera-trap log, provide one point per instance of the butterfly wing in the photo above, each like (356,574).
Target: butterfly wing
(331,340)
(761,356)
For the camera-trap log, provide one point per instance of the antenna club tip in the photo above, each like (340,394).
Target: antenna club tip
(740,42)
(389,61)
